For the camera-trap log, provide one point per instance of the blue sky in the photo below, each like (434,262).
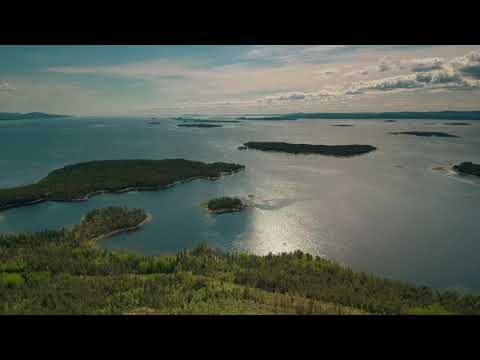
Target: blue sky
(164,80)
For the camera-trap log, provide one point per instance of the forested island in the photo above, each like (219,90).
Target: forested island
(457,123)
(199,125)
(425,134)
(63,272)
(329,150)
(342,125)
(33,115)
(468,168)
(80,181)
(225,205)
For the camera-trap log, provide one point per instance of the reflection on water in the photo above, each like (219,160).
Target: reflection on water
(387,212)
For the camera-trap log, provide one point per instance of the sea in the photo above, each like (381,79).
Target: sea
(388,212)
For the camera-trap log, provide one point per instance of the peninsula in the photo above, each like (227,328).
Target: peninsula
(329,150)
(468,168)
(80,181)
(64,272)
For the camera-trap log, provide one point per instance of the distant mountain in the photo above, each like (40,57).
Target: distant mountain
(436,115)
(32,115)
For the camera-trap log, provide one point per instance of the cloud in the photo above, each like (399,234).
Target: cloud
(384,65)
(6,87)
(468,65)
(400,82)
(323,74)
(427,64)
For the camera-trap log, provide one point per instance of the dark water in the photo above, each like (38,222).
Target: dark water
(386,212)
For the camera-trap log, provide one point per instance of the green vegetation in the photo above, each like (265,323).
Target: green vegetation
(62,272)
(225,204)
(330,150)
(424,133)
(468,168)
(100,222)
(79,181)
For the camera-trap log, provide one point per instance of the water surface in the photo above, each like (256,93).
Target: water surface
(386,212)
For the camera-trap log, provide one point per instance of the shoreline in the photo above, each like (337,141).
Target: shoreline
(119,231)
(119,191)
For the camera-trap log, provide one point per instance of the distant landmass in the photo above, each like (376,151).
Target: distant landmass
(32,115)
(436,115)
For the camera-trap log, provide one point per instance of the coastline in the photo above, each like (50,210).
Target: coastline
(119,231)
(119,191)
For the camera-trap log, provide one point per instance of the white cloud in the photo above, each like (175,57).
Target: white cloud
(468,65)
(384,65)
(6,87)
(427,64)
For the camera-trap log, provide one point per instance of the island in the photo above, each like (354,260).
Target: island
(425,134)
(242,148)
(468,168)
(154,123)
(65,272)
(341,125)
(80,181)
(390,121)
(457,123)
(225,205)
(329,150)
(199,125)
(32,115)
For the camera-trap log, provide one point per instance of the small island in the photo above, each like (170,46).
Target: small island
(225,205)
(457,123)
(154,123)
(80,181)
(390,121)
(341,125)
(329,150)
(242,148)
(199,125)
(468,168)
(425,134)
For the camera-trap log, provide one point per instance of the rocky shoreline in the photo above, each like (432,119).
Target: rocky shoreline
(119,191)
(119,231)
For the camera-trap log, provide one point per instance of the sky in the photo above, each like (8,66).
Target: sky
(262,79)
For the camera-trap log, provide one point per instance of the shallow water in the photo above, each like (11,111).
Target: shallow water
(386,212)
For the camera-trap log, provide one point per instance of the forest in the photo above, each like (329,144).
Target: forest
(63,272)
(78,181)
(330,150)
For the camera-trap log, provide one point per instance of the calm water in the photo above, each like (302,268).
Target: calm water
(385,212)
